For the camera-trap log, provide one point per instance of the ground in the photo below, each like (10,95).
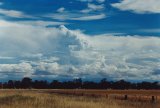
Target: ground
(51,99)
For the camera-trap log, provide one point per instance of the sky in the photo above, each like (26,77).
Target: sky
(88,39)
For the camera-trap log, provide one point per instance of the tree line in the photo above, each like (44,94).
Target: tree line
(28,83)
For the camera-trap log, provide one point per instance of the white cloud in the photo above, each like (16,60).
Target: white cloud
(93,12)
(95,7)
(32,56)
(24,69)
(5,58)
(42,23)
(64,52)
(76,16)
(62,9)
(14,13)
(139,6)
(7,24)
(154,30)
(51,68)
(85,0)
(92,17)
(86,10)
(92,8)
(51,59)
(99,1)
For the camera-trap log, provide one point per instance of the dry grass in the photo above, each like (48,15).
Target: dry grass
(139,95)
(42,99)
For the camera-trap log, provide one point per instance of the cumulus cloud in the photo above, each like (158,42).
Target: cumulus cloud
(139,6)
(71,53)
(49,68)
(22,69)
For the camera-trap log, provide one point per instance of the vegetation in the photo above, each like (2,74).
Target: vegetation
(44,99)
(26,83)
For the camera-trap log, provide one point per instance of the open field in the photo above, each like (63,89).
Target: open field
(73,99)
(139,95)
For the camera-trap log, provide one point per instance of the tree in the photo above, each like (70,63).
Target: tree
(78,83)
(17,84)
(55,84)
(26,83)
(104,84)
(10,84)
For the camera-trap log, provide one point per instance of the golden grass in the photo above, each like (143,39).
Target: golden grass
(91,91)
(42,99)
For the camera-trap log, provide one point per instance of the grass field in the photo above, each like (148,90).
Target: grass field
(52,99)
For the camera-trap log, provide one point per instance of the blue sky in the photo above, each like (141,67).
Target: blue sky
(91,39)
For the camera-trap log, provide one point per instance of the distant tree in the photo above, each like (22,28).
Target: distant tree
(26,83)
(40,84)
(121,84)
(90,85)
(1,85)
(17,84)
(104,84)
(10,84)
(5,85)
(55,84)
(77,83)
(155,85)
(148,85)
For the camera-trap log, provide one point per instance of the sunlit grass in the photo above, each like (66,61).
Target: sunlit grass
(36,99)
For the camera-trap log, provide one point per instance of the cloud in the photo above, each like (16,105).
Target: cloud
(154,30)
(99,1)
(76,16)
(92,17)
(85,0)
(41,23)
(139,6)
(93,12)
(52,68)
(14,13)
(22,69)
(32,56)
(61,52)
(4,57)
(93,7)
(62,9)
